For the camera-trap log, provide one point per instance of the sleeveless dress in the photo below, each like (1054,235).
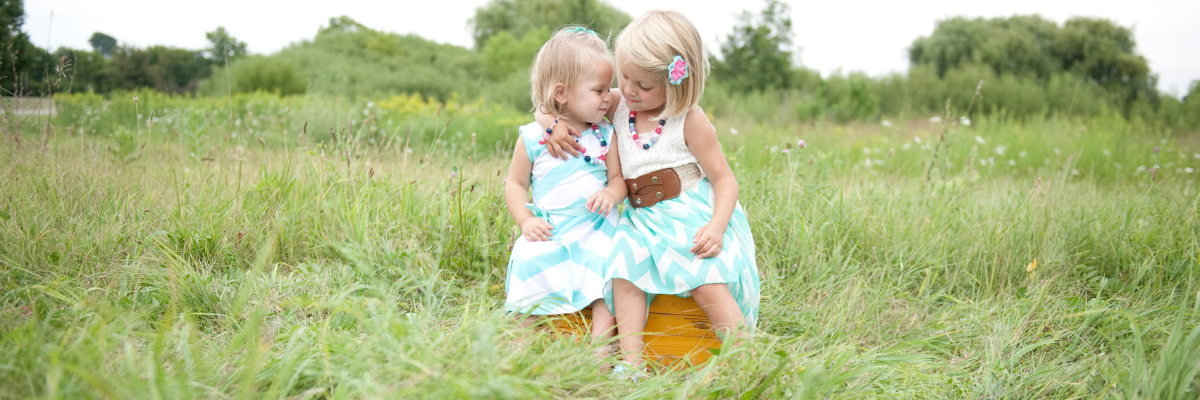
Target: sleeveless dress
(652,246)
(565,274)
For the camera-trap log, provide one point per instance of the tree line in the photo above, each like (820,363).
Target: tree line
(1030,66)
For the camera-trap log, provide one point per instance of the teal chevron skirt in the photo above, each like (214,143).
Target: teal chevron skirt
(652,249)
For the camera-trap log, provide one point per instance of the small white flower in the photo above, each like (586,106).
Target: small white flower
(965,121)
(1106,153)
(906,146)
(1140,168)
(1189,170)
(1022,154)
(370,104)
(935,119)
(887,124)
(1012,162)
(980,140)
(1057,151)
(1118,165)
(917,139)
(733,131)
(1197,155)
(1075,172)
(1000,149)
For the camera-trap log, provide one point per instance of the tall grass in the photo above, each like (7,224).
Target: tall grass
(911,260)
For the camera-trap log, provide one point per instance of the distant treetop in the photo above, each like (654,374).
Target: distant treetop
(520,16)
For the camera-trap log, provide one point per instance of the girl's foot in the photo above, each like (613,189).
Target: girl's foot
(625,371)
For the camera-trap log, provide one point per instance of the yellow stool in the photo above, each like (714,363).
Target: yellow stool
(677,331)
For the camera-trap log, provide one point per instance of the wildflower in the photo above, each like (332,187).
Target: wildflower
(1001,149)
(1012,163)
(1189,170)
(801,144)
(980,140)
(733,131)
(1032,266)
(135,99)
(917,139)
(786,151)
(370,104)
(935,119)
(1155,149)
(453,175)
(887,124)
(1106,153)
(965,121)
(1022,154)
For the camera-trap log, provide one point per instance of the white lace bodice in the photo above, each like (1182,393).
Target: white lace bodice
(669,152)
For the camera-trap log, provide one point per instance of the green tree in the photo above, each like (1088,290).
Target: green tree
(1104,52)
(103,44)
(89,71)
(1035,48)
(223,45)
(18,57)
(504,55)
(267,74)
(167,69)
(757,55)
(520,16)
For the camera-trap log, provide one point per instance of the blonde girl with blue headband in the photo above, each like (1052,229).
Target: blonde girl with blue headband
(557,266)
(683,231)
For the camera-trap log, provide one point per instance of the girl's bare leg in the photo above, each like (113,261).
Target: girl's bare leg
(630,304)
(603,329)
(722,310)
(603,322)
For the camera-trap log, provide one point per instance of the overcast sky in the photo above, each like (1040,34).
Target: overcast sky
(869,36)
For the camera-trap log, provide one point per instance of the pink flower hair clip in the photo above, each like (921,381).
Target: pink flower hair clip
(678,70)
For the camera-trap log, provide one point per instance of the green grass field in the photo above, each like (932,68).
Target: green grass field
(1046,258)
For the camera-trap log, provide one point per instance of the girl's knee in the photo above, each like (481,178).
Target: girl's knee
(711,291)
(623,286)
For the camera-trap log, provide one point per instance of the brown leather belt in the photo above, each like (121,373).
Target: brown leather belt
(653,187)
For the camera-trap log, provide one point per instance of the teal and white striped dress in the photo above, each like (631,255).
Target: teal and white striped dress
(652,246)
(565,274)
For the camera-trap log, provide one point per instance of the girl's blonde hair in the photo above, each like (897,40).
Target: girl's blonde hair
(652,41)
(570,54)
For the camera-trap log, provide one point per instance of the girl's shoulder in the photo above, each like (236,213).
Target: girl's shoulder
(696,122)
(531,135)
(532,130)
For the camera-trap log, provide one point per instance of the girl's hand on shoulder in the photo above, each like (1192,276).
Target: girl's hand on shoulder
(709,239)
(560,143)
(601,202)
(536,230)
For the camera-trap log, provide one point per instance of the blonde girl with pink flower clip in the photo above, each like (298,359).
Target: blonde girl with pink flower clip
(683,231)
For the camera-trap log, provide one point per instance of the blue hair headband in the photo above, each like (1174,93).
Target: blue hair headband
(579,29)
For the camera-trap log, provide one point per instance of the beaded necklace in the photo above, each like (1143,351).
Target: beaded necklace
(653,139)
(583,150)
